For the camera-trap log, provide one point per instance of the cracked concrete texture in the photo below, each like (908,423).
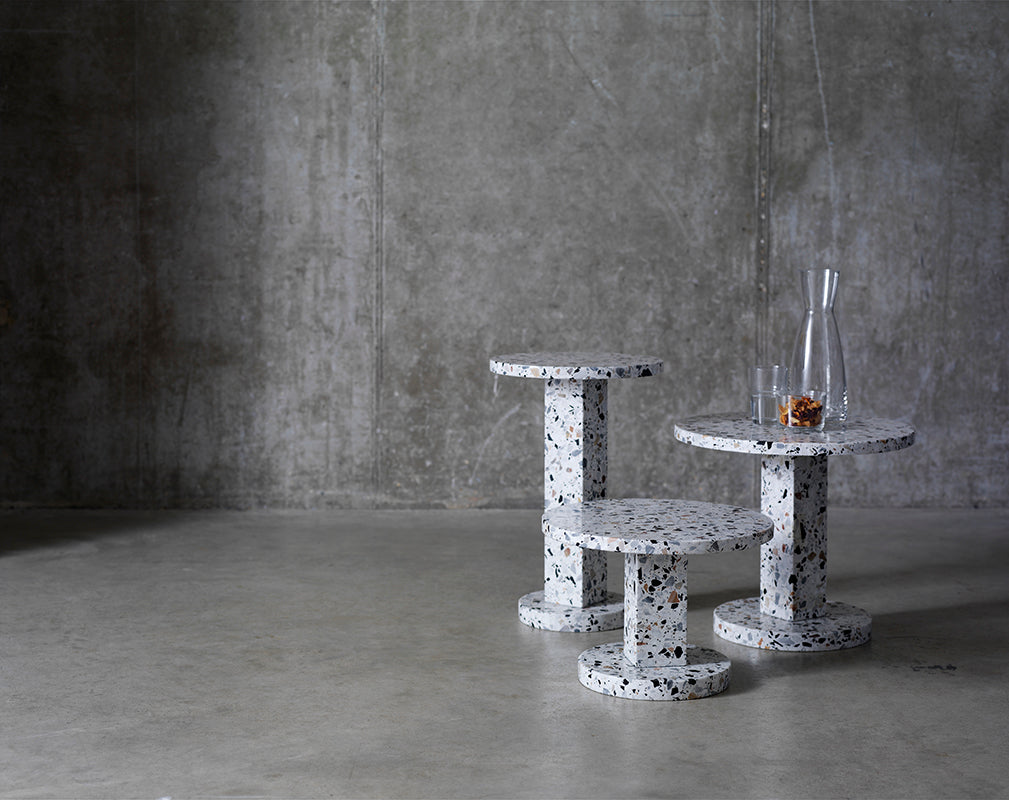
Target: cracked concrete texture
(259,253)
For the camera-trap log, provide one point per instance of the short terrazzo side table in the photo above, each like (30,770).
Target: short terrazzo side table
(574,596)
(654,661)
(792,612)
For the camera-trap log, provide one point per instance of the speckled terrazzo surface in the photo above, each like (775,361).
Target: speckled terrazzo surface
(741,435)
(574,470)
(574,441)
(792,613)
(655,610)
(650,526)
(574,596)
(576,365)
(838,627)
(793,565)
(538,612)
(604,669)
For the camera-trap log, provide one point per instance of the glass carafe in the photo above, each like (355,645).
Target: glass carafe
(817,361)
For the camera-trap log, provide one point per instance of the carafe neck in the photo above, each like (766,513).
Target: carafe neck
(819,289)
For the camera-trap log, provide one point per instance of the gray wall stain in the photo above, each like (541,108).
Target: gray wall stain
(258,254)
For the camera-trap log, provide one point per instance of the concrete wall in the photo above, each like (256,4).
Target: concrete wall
(259,253)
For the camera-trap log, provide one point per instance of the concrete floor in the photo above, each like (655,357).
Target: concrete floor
(378,655)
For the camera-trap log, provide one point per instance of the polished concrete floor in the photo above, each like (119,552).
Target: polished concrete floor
(378,655)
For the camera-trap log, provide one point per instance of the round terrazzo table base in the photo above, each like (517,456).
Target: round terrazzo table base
(537,612)
(839,627)
(603,669)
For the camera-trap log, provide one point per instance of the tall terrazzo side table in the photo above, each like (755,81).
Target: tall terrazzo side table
(792,612)
(574,596)
(654,661)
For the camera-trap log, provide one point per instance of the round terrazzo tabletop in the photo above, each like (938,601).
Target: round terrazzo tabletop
(739,434)
(792,611)
(657,527)
(580,366)
(575,387)
(655,661)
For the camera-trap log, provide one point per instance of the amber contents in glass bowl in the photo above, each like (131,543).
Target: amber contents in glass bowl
(800,411)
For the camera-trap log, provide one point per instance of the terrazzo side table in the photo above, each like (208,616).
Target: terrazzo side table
(654,661)
(792,611)
(574,596)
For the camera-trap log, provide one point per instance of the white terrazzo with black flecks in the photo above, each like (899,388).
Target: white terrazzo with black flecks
(580,366)
(792,611)
(839,626)
(793,565)
(654,661)
(536,612)
(655,610)
(574,470)
(574,596)
(604,669)
(650,526)
(737,434)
